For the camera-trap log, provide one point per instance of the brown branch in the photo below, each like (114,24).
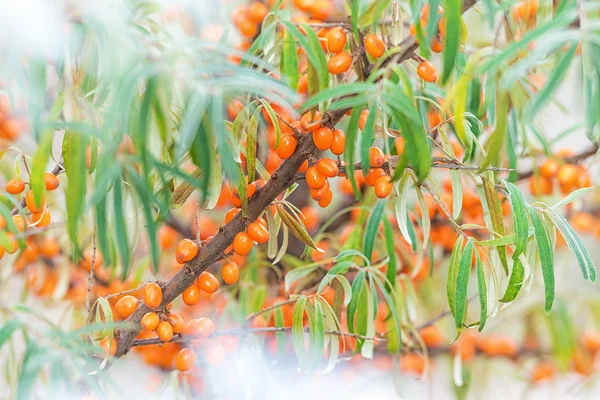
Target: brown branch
(250,317)
(574,159)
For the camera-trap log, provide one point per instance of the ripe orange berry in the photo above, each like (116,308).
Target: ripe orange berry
(258,232)
(383,186)
(242,243)
(48,247)
(177,322)
(432,337)
(543,370)
(339,63)
(42,219)
(34,206)
(583,222)
(314,179)
(376,157)
(325,198)
(109,346)
(51,181)
(540,186)
(412,363)
(126,306)
(207,282)
(427,71)
(191,295)
(310,121)
(362,120)
(498,346)
(152,295)
(186,358)
(567,175)
(167,237)
(15,186)
(150,321)
(323,137)
(248,28)
(591,342)
(186,251)
(336,40)
(231,214)
(328,168)
(21,222)
(374,45)
(436,45)
(309,217)
(257,12)
(286,146)
(525,10)
(549,168)
(165,331)
(399,144)
(321,9)
(230,272)
(203,327)
(338,142)
(373,175)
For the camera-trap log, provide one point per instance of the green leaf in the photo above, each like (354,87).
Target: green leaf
(373,13)
(416,146)
(546,256)
(588,270)
(298,330)
(520,221)
(74,149)
(7,330)
(297,274)
(573,196)
(452,12)
(392,265)
(482,289)
(121,229)
(355,5)
(462,282)
(357,286)
(317,334)
(289,60)
(184,190)
(499,241)
(362,90)
(296,227)
(556,77)
(453,267)
(392,306)
(425,220)
(319,62)
(349,153)
(496,217)
(251,138)
(351,253)
(401,209)
(496,140)
(366,140)
(372,228)
(515,283)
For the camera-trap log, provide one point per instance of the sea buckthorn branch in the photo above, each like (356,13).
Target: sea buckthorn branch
(58,169)
(442,207)
(574,159)
(250,317)
(213,250)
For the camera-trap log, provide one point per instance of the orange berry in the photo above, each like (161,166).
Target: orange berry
(338,142)
(191,295)
(21,222)
(383,186)
(549,168)
(412,363)
(336,40)
(310,121)
(242,243)
(376,157)
(543,370)
(432,337)
(339,63)
(436,45)
(309,217)
(109,346)
(303,84)
(583,222)
(186,358)
(323,138)
(362,120)
(203,327)
(257,12)
(498,346)
(167,237)
(48,247)
(317,194)
(567,175)
(152,295)
(314,179)
(231,214)
(374,45)
(321,9)
(230,272)
(591,342)
(34,206)
(126,306)
(399,144)
(539,186)
(525,10)
(42,219)
(327,167)
(325,199)
(51,181)
(207,282)
(186,251)
(373,175)
(150,321)
(303,167)
(286,146)
(258,232)
(427,71)
(177,322)
(248,28)
(165,331)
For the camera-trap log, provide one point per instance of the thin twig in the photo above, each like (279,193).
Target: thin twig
(442,206)
(135,289)
(91,276)
(250,317)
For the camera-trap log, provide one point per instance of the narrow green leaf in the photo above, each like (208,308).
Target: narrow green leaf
(357,286)
(482,289)
(416,146)
(452,13)
(360,89)
(349,153)
(366,140)
(462,282)
(496,140)
(317,334)
(74,157)
(7,330)
(121,229)
(372,228)
(298,273)
(573,196)
(392,265)
(546,256)
(372,13)
(298,330)
(251,139)
(289,60)
(496,217)
(515,282)
(520,221)
(296,227)
(453,267)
